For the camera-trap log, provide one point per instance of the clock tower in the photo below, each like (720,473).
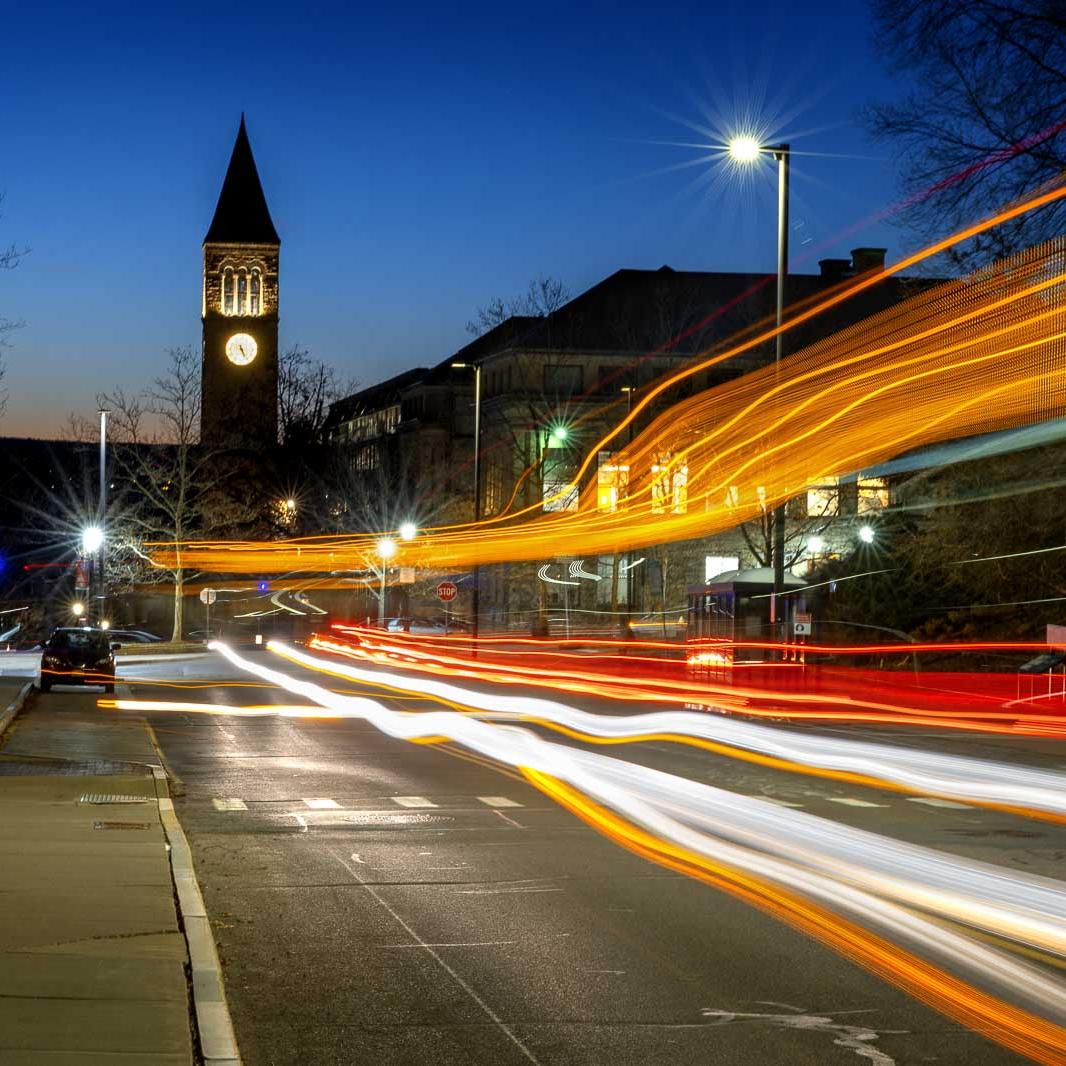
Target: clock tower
(239,381)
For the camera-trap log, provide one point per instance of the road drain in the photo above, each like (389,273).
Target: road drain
(120,825)
(101,797)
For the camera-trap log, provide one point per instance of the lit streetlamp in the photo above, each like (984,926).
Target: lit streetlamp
(866,534)
(747,150)
(77,608)
(408,531)
(386,549)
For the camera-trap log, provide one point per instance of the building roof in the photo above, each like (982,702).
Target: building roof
(242,216)
(384,394)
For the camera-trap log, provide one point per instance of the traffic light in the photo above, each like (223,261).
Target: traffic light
(263,586)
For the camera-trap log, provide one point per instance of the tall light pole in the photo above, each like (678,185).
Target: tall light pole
(748,150)
(100,518)
(475,599)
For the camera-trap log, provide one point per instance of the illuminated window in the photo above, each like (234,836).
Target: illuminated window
(253,306)
(823,498)
(242,292)
(228,284)
(873,494)
(612,480)
(669,486)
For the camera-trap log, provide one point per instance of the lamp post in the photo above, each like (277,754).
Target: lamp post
(386,547)
(101,516)
(475,599)
(748,150)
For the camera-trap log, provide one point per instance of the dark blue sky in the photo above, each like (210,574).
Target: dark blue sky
(416,164)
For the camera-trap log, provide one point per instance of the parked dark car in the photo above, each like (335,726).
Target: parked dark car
(133,636)
(78,657)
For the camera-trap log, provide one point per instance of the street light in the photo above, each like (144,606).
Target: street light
(408,531)
(866,534)
(744,149)
(816,544)
(77,608)
(92,539)
(747,150)
(475,599)
(386,549)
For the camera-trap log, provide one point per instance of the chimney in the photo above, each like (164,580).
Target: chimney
(864,259)
(834,269)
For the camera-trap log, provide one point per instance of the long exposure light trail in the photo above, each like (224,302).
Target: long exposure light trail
(970,356)
(926,772)
(880,883)
(985,713)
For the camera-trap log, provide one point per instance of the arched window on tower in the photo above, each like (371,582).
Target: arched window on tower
(253,307)
(227,291)
(242,292)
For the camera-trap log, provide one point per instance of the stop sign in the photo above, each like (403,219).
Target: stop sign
(447,591)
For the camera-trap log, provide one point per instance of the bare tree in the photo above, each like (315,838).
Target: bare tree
(167,479)
(984,122)
(543,296)
(306,388)
(9,259)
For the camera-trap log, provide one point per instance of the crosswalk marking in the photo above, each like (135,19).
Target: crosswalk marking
(230,805)
(848,801)
(322,804)
(778,802)
(498,801)
(933,801)
(412,801)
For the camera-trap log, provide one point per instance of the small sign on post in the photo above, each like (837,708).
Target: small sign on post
(802,624)
(208,597)
(447,591)
(1056,637)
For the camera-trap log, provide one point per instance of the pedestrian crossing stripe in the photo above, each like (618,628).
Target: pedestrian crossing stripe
(849,802)
(498,801)
(230,805)
(322,804)
(412,801)
(933,801)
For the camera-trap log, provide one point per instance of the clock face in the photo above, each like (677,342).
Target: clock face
(241,349)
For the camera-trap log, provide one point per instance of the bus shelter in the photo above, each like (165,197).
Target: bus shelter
(735,607)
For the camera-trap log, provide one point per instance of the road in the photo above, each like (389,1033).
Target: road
(381,901)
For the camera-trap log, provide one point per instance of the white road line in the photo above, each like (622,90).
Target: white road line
(508,819)
(778,802)
(498,801)
(849,802)
(322,804)
(493,1016)
(932,801)
(412,801)
(230,805)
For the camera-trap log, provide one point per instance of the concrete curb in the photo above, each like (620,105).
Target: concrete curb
(217,1039)
(7,716)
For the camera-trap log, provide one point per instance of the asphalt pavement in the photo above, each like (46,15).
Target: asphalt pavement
(379,901)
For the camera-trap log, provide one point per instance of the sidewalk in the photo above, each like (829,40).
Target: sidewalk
(92,957)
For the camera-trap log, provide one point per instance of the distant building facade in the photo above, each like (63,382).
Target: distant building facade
(551,386)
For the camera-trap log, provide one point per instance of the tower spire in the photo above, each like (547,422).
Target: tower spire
(242,216)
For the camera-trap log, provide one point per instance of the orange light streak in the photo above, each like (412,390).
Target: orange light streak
(974,355)
(1008,1025)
